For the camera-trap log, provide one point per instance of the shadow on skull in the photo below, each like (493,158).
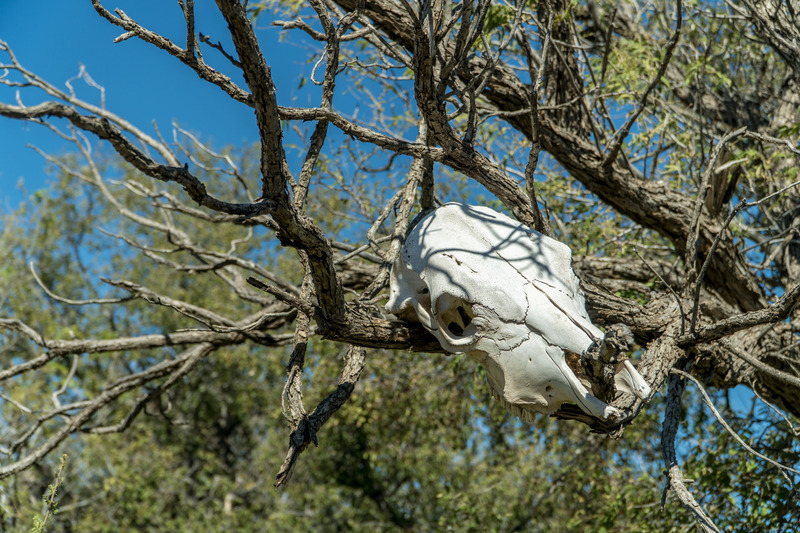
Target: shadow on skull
(506,295)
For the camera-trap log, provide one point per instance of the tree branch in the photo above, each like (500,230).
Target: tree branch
(274,169)
(87,411)
(674,474)
(187,56)
(306,432)
(722,328)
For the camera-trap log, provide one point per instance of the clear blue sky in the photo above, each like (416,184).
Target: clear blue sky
(53,38)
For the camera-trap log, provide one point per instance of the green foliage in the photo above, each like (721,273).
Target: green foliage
(747,490)
(421,445)
(634,62)
(498,15)
(49,499)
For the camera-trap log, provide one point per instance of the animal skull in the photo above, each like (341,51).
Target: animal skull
(506,295)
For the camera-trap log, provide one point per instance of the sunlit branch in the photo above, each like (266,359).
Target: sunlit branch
(184,365)
(309,425)
(58,348)
(540,222)
(187,56)
(274,170)
(292,396)
(204,316)
(722,328)
(792,379)
(106,131)
(332,36)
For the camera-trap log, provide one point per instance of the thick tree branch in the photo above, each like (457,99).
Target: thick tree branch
(274,169)
(722,328)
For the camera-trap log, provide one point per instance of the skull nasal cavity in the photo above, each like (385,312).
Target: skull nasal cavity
(465,319)
(455,314)
(455,329)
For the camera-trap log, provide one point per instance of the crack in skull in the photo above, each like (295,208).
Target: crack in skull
(507,296)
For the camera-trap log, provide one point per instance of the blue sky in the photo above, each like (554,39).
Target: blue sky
(53,38)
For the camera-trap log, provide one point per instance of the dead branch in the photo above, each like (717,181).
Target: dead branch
(674,475)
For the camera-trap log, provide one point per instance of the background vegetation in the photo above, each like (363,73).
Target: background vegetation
(131,342)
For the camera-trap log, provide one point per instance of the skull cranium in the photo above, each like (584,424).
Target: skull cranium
(506,295)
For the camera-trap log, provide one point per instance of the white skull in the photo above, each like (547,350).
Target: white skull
(490,287)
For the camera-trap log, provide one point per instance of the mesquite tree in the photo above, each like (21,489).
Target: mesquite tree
(658,140)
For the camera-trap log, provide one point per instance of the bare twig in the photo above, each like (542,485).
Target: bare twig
(77,421)
(540,222)
(71,301)
(674,474)
(693,280)
(187,56)
(309,426)
(727,426)
(612,151)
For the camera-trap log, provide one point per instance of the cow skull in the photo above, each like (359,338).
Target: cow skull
(506,295)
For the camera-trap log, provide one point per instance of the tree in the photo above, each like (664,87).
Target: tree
(656,139)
